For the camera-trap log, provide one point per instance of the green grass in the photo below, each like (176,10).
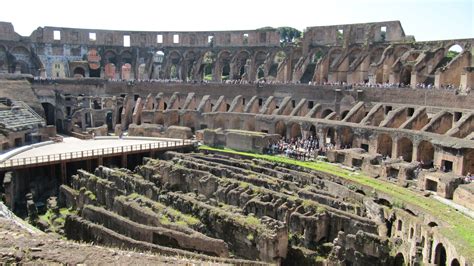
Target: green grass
(460,230)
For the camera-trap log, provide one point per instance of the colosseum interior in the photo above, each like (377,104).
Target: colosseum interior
(196,122)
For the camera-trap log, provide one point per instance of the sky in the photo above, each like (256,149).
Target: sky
(425,19)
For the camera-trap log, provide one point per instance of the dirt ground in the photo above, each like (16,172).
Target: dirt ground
(19,245)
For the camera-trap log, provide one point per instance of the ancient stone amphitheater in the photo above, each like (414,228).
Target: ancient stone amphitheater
(101,135)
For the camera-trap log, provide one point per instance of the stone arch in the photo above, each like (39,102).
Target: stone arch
(399,260)
(326,112)
(347,101)
(440,255)
(190,57)
(455,262)
(425,153)
(259,64)
(174,60)
(224,59)
(295,130)
(126,57)
(278,58)
(240,61)
(110,56)
(206,69)
(280,128)
(79,72)
(20,50)
(405,149)
(454,46)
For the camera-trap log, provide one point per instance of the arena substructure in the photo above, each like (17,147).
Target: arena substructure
(387,179)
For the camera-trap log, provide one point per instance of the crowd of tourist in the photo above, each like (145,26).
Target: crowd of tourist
(261,82)
(299,148)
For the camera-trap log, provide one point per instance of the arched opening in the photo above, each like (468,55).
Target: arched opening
(425,154)
(344,114)
(94,73)
(79,72)
(325,113)
(412,232)
(432,224)
(174,72)
(88,119)
(312,131)
(119,115)
(468,164)
(295,131)
(405,149)
(208,61)
(50,112)
(225,72)
(455,262)
(405,75)
(109,121)
(280,129)
(261,72)
(241,72)
(384,145)
(331,136)
(97,105)
(346,137)
(453,51)
(399,260)
(241,60)
(440,255)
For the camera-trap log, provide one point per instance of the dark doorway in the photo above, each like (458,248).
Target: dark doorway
(49,111)
(108,120)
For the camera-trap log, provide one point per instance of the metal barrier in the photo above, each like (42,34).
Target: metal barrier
(93,153)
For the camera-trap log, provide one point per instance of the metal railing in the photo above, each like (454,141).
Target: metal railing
(93,153)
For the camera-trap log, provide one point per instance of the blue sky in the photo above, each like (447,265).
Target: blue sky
(425,19)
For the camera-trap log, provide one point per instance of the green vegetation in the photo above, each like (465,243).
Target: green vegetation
(460,231)
(250,237)
(90,195)
(167,215)
(451,54)
(288,34)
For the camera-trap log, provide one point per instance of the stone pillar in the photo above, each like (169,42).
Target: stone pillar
(124,160)
(9,185)
(394,147)
(63,173)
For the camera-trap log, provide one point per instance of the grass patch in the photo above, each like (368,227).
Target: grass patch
(460,230)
